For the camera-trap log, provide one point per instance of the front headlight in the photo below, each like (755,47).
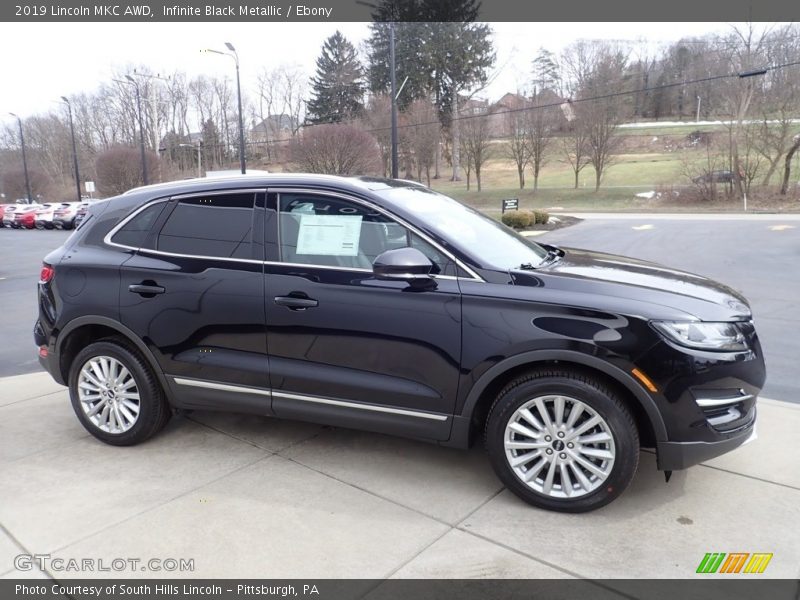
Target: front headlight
(724,337)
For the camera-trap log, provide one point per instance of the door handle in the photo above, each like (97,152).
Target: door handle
(146,290)
(296,302)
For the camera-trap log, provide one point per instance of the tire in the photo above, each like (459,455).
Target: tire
(604,452)
(125,427)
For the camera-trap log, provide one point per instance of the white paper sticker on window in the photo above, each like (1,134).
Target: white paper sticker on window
(329,235)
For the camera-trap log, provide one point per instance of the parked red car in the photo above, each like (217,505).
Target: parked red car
(25,216)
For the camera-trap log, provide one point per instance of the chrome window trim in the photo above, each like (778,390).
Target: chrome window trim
(123,222)
(296,190)
(107,239)
(227,387)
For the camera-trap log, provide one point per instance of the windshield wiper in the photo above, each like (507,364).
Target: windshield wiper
(551,256)
(527,267)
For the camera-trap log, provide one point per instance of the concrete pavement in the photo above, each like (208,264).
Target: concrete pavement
(253,497)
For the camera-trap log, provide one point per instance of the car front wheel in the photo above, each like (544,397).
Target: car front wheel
(116,395)
(562,440)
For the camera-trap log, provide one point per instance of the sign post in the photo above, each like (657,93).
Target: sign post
(509,204)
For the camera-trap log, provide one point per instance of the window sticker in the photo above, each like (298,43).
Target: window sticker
(329,235)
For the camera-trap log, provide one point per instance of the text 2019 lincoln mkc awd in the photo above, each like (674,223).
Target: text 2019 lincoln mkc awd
(382,305)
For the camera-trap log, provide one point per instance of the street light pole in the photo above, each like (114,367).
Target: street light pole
(141,127)
(241,120)
(235,56)
(393,81)
(74,148)
(135,84)
(24,158)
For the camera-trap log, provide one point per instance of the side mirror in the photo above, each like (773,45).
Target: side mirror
(403,264)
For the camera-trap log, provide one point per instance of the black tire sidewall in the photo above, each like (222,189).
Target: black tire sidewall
(150,397)
(617,417)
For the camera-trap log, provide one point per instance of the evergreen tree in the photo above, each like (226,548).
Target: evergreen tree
(338,87)
(545,71)
(439,48)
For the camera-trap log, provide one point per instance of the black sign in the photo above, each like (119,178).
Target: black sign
(510,204)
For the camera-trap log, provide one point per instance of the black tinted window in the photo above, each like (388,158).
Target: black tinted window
(218,226)
(134,232)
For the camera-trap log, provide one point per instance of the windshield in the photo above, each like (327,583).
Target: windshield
(490,242)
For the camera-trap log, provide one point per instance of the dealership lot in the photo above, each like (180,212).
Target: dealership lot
(288,499)
(251,497)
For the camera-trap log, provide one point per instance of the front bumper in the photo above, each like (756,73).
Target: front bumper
(673,456)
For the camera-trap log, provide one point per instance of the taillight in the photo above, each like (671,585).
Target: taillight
(46,274)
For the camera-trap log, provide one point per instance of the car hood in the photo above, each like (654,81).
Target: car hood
(646,282)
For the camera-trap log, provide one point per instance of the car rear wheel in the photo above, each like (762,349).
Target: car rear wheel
(562,441)
(116,395)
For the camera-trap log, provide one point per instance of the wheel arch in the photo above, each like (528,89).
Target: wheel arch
(483,392)
(68,342)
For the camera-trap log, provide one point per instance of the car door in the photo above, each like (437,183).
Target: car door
(194,292)
(345,348)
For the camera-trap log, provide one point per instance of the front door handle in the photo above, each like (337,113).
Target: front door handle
(296,302)
(146,290)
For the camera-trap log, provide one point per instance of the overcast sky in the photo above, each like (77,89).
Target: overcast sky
(43,61)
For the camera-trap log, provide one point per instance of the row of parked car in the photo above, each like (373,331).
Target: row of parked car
(51,215)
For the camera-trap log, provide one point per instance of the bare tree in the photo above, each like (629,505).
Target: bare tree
(516,148)
(119,169)
(377,118)
(599,120)
(787,164)
(336,149)
(539,132)
(476,143)
(13,182)
(575,149)
(744,49)
(422,137)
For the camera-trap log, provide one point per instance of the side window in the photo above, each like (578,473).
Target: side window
(213,225)
(135,231)
(328,231)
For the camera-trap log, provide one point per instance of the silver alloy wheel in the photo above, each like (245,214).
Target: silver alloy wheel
(108,394)
(559,446)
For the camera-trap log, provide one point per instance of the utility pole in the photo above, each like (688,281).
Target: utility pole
(135,84)
(74,148)
(24,158)
(393,79)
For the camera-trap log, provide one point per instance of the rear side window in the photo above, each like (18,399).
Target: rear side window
(135,231)
(215,225)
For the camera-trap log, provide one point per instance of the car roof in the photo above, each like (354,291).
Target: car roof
(264,180)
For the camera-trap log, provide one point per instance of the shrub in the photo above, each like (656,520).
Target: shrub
(517,219)
(540,217)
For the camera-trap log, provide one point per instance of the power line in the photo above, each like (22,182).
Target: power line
(598,97)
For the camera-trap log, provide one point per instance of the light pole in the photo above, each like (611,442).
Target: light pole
(197,147)
(24,158)
(135,84)
(393,80)
(74,148)
(235,56)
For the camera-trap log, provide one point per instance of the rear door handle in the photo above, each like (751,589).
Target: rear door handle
(296,303)
(145,289)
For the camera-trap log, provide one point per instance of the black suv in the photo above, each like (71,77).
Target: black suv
(382,305)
